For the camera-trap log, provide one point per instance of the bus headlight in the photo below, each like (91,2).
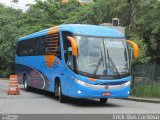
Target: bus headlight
(80,82)
(127,83)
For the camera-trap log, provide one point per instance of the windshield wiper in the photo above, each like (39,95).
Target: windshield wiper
(113,64)
(99,63)
(106,64)
(109,60)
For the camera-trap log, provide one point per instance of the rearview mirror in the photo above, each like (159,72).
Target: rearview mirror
(135,48)
(73,45)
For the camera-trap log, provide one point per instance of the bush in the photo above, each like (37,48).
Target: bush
(146,91)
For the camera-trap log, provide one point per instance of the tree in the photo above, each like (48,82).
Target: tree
(149,26)
(14,2)
(141,19)
(143,49)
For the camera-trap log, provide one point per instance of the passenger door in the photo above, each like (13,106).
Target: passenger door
(68,61)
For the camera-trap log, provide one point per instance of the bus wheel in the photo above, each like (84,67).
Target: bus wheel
(103,100)
(25,83)
(61,96)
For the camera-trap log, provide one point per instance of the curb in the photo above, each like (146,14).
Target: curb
(149,100)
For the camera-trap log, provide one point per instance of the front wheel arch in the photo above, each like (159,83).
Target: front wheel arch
(58,91)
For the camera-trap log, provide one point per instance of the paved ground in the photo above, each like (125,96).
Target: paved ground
(41,102)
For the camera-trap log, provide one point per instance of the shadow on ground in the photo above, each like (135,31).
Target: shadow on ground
(72,101)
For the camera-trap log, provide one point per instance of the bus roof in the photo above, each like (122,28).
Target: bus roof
(81,29)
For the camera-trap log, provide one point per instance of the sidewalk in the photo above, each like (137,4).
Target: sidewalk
(150,100)
(4,79)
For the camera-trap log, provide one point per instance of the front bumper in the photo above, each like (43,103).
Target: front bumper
(90,92)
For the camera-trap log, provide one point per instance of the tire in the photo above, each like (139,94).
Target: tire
(103,100)
(62,98)
(56,89)
(25,83)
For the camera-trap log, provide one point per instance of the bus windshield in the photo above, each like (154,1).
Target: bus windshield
(101,57)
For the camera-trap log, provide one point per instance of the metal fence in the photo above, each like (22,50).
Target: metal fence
(146,74)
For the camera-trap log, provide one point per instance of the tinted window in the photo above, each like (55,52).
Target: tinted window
(52,45)
(44,45)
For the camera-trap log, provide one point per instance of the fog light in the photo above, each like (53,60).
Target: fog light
(128,92)
(79,91)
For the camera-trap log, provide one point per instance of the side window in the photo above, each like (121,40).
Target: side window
(67,50)
(31,47)
(37,46)
(44,45)
(41,45)
(52,45)
(18,49)
(31,50)
(25,48)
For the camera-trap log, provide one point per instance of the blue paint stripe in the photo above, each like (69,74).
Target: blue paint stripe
(91,30)
(37,34)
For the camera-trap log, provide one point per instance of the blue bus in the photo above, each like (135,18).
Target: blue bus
(76,60)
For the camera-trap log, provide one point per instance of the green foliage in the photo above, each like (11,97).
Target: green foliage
(146,91)
(143,50)
(15,24)
(148,23)
(141,18)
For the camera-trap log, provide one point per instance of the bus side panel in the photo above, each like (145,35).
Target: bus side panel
(36,79)
(34,68)
(39,74)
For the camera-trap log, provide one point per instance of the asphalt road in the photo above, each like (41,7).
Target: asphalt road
(40,102)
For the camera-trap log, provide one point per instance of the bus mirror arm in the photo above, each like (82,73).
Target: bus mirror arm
(73,44)
(135,48)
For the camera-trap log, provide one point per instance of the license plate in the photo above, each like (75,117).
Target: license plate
(105,93)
